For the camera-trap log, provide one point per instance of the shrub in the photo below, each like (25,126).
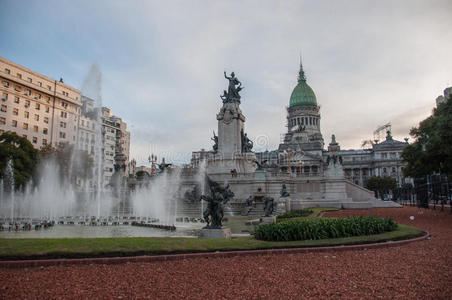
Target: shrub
(323,228)
(295,214)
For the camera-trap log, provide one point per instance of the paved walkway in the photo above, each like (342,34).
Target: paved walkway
(414,271)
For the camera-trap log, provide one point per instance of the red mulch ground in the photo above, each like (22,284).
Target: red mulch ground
(420,270)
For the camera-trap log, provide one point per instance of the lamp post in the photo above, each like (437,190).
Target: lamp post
(152,160)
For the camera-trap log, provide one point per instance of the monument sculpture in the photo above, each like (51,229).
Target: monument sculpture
(235,86)
(215,145)
(214,212)
(232,149)
(247,144)
(268,206)
(283,204)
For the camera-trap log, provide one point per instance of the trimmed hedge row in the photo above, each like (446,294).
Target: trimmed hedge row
(323,228)
(295,214)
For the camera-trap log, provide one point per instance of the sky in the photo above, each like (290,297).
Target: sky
(162,63)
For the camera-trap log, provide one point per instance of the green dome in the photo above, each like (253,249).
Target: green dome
(302,94)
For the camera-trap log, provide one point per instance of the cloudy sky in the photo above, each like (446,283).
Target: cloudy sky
(162,62)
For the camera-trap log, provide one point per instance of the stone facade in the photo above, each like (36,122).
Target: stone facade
(115,138)
(43,110)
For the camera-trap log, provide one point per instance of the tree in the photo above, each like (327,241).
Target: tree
(71,162)
(381,185)
(23,155)
(432,150)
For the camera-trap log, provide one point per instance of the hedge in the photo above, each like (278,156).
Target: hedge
(323,228)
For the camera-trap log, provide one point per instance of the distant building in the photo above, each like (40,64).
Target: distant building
(43,110)
(115,138)
(302,151)
(384,159)
(446,95)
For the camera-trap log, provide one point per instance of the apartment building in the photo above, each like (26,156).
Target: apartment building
(115,142)
(42,109)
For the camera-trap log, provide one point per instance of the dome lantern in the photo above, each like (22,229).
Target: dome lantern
(302,94)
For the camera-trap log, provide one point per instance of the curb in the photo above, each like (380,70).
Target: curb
(174,257)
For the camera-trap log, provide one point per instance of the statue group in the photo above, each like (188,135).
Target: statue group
(235,86)
(214,212)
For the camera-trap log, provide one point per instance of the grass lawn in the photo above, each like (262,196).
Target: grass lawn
(107,247)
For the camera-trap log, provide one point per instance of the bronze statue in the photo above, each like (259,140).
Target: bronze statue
(260,166)
(214,212)
(215,145)
(235,86)
(247,144)
(268,206)
(284,192)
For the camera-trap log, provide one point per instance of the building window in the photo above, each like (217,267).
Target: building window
(393,169)
(28,92)
(15,111)
(63,124)
(44,142)
(49,87)
(38,96)
(2,121)
(35,140)
(62,135)
(25,126)
(6,84)
(14,123)
(29,79)
(36,117)
(19,75)
(35,128)
(47,109)
(4,107)
(26,114)
(64,114)
(16,100)
(46,120)
(5,97)
(48,100)
(7,71)
(27,103)
(45,130)
(384,155)
(384,170)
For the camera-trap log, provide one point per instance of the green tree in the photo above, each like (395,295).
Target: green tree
(71,162)
(432,150)
(24,157)
(381,185)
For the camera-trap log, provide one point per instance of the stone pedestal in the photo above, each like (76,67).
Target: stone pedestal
(221,233)
(243,163)
(283,205)
(267,220)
